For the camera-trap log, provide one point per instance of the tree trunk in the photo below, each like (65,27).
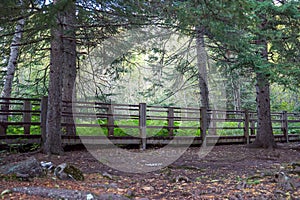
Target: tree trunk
(236,94)
(202,70)
(53,144)
(264,137)
(11,67)
(69,67)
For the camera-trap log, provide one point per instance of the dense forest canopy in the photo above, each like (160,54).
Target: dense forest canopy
(234,54)
(105,21)
(98,21)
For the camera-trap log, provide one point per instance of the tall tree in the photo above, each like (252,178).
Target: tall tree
(69,64)
(264,136)
(53,143)
(188,17)
(202,67)
(268,31)
(11,68)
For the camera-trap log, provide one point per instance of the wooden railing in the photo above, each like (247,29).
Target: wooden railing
(20,113)
(143,121)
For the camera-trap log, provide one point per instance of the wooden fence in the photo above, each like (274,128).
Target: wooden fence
(141,123)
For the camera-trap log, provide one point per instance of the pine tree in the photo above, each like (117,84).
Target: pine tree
(69,65)
(259,42)
(53,143)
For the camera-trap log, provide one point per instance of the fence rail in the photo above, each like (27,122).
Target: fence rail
(141,122)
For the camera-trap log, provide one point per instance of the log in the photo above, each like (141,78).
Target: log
(66,194)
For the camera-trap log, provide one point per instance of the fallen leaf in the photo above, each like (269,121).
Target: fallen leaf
(4,192)
(148,188)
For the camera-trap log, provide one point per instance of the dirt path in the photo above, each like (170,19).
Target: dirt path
(227,172)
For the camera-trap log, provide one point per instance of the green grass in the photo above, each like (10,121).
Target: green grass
(294,130)
(18,130)
(230,132)
(155,131)
(118,131)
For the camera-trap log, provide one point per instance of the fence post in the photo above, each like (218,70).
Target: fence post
(4,108)
(110,120)
(27,116)
(43,116)
(246,127)
(213,124)
(284,125)
(203,125)
(252,125)
(171,121)
(3,126)
(142,123)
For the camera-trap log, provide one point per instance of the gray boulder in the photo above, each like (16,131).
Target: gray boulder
(28,168)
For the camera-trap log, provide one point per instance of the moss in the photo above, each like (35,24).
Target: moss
(74,172)
(9,177)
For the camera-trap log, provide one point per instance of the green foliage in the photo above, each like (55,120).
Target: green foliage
(14,130)
(253,181)
(89,131)
(294,128)
(18,130)
(283,99)
(235,128)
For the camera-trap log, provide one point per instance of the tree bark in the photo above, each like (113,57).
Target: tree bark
(264,137)
(69,67)
(53,144)
(236,94)
(11,68)
(202,70)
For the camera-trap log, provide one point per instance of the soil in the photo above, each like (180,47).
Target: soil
(226,172)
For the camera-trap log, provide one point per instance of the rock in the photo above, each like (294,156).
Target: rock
(47,165)
(66,194)
(66,171)
(27,168)
(182,179)
(107,175)
(89,197)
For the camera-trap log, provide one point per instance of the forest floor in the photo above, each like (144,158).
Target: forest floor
(227,172)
